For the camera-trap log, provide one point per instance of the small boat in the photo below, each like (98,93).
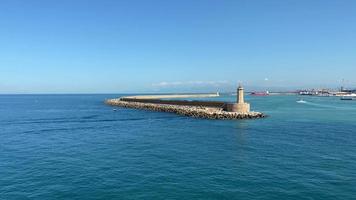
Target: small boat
(301,101)
(349,97)
(266,93)
(114,110)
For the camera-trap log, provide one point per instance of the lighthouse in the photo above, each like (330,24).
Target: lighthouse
(240,106)
(240,94)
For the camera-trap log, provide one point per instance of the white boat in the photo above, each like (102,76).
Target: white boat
(349,97)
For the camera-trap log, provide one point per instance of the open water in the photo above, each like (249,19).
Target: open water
(75,147)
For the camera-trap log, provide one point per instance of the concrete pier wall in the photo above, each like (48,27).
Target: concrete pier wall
(215,104)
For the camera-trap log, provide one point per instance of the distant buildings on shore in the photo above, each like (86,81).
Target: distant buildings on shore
(327,92)
(342,92)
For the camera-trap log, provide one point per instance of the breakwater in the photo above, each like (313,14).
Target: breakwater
(215,104)
(172,96)
(198,110)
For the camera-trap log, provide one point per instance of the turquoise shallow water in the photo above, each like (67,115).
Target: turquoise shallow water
(75,147)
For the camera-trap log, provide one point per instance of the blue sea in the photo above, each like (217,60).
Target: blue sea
(76,147)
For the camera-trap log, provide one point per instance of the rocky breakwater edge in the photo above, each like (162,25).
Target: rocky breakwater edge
(191,111)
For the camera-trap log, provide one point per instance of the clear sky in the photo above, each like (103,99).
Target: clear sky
(88,46)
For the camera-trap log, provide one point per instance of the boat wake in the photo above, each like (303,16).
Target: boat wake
(326,106)
(301,101)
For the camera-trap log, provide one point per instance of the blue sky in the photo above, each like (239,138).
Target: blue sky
(88,46)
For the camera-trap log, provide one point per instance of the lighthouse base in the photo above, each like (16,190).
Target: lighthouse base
(237,107)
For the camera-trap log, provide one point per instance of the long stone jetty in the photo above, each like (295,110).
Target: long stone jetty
(197,109)
(192,111)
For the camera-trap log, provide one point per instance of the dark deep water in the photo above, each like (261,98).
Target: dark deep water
(75,147)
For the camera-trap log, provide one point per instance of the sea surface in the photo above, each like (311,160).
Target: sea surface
(76,147)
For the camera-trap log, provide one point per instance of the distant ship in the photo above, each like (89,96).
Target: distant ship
(266,93)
